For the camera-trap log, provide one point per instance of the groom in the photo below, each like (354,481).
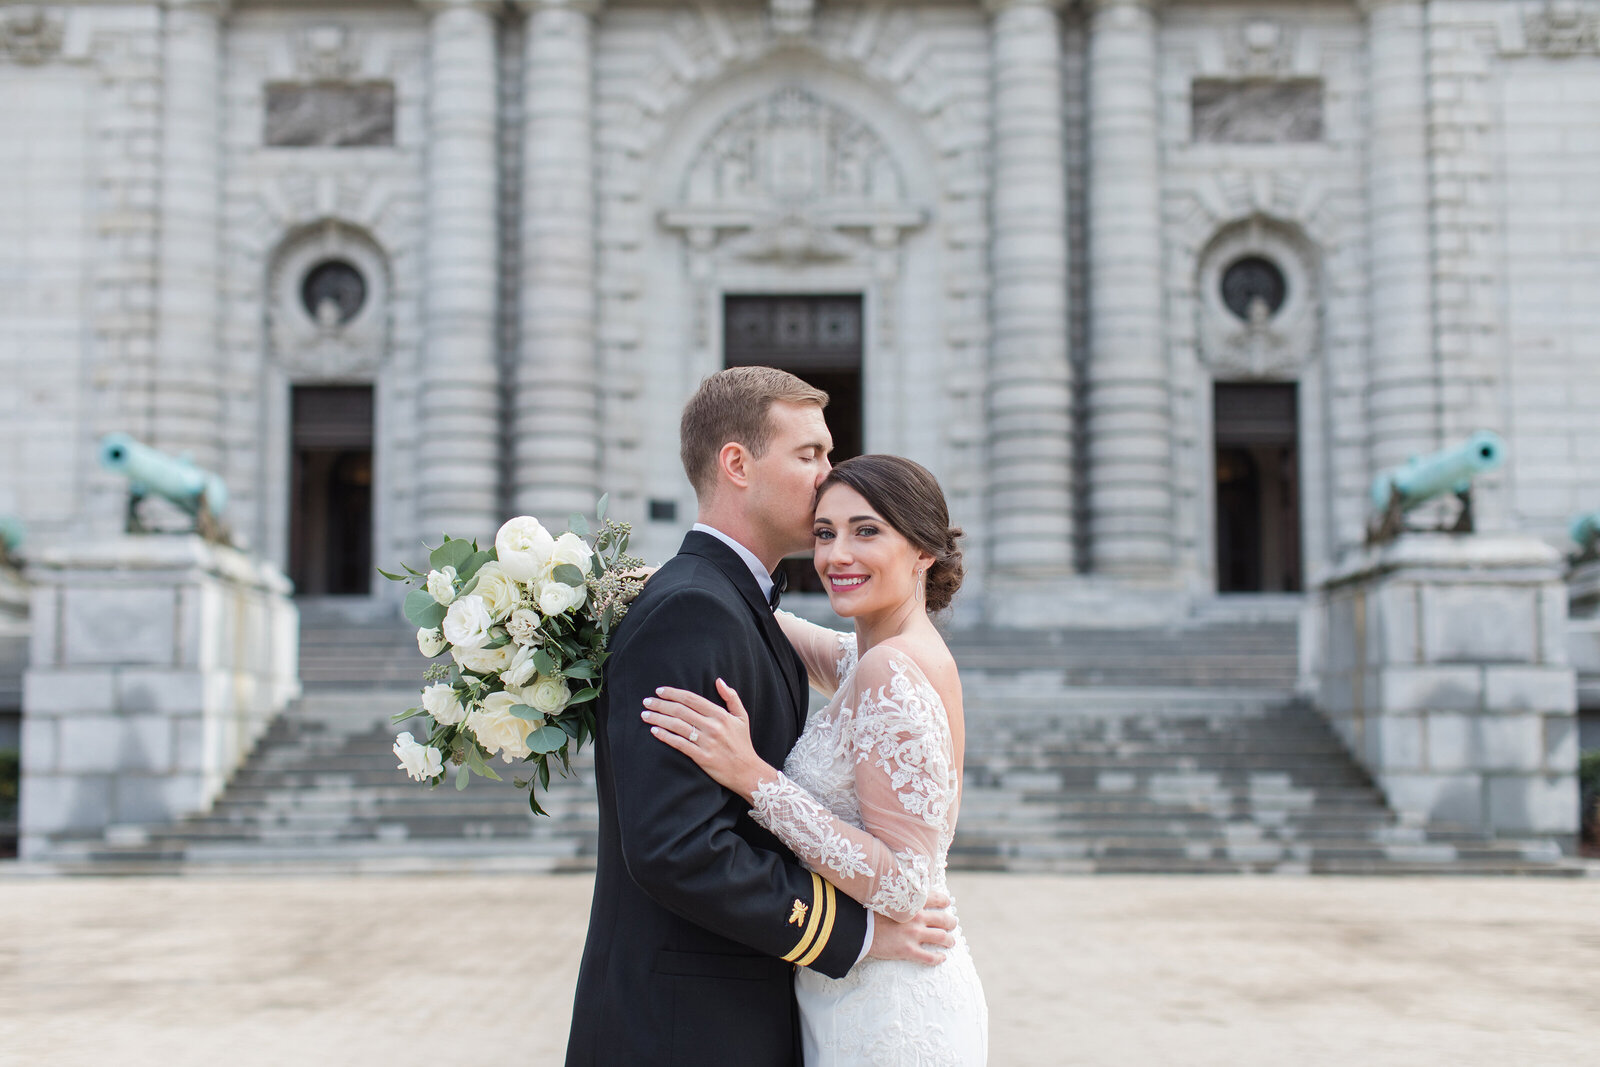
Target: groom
(699,915)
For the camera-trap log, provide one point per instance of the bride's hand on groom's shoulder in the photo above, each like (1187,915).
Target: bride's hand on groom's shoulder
(717,738)
(925,938)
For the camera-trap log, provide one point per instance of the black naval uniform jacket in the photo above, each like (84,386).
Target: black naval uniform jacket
(699,915)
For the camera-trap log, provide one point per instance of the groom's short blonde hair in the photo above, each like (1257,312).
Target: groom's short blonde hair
(734,405)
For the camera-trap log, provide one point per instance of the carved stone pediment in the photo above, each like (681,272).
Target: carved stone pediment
(31,34)
(326,53)
(1260,48)
(793,179)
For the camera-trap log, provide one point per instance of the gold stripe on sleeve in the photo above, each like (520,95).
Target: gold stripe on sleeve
(812,922)
(829,905)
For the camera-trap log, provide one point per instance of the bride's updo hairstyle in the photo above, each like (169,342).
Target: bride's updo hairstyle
(908,498)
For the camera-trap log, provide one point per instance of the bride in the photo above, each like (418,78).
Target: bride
(868,797)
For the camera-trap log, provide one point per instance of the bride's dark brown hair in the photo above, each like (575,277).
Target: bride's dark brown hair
(907,496)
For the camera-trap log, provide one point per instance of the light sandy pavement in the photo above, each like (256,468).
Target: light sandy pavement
(478,969)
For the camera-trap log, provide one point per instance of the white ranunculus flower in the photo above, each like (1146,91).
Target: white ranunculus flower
(498,592)
(443,703)
(549,695)
(419,761)
(484,661)
(524,628)
(523,546)
(466,624)
(430,642)
(442,585)
(570,548)
(555,597)
(521,670)
(497,730)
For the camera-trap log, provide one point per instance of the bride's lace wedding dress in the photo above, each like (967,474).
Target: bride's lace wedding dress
(868,799)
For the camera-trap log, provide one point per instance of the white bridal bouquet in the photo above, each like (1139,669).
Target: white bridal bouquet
(526,625)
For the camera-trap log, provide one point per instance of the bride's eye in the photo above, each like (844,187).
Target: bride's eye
(822,534)
(866,531)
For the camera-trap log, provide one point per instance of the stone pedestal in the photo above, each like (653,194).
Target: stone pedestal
(1583,644)
(1442,663)
(155,663)
(13,651)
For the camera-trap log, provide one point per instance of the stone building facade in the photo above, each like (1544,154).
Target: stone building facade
(1155,288)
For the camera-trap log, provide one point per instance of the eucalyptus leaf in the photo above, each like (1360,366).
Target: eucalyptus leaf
(571,728)
(544,662)
(579,525)
(422,611)
(547,738)
(467,588)
(569,574)
(600,508)
(462,774)
(409,713)
(393,577)
(579,669)
(583,696)
(607,617)
(527,714)
(499,642)
(470,566)
(453,553)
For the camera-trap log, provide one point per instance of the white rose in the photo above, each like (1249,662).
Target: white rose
(421,763)
(497,730)
(466,624)
(521,670)
(523,547)
(548,695)
(442,702)
(430,642)
(498,592)
(484,661)
(442,585)
(554,597)
(570,548)
(524,627)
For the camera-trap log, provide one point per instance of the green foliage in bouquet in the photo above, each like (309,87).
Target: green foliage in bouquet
(526,623)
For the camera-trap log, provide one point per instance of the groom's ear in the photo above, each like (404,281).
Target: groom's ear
(733,464)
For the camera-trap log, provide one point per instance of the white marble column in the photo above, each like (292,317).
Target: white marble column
(1130,411)
(186,395)
(1403,393)
(458,474)
(556,426)
(1030,373)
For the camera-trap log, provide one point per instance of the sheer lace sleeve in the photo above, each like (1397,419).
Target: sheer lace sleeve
(828,654)
(905,783)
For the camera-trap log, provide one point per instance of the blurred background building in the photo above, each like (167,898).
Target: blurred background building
(1155,288)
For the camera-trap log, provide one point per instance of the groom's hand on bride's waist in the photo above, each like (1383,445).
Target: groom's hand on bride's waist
(924,939)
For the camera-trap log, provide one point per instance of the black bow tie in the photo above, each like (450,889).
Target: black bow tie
(780,582)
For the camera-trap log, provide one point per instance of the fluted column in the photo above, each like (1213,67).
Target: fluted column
(1030,375)
(1402,379)
(186,396)
(459,467)
(556,427)
(1130,412)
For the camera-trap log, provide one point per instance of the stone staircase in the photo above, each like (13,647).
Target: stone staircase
(1163,750)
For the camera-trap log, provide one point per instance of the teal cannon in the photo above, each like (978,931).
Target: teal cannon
(12,534)
(197,492)
(1424,478)
(1585,530)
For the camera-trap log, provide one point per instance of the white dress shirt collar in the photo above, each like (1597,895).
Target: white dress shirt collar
(763,579)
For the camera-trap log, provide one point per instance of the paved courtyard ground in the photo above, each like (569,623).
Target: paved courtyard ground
(478,969)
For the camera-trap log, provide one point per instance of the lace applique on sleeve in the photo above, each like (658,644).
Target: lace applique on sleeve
(821,649)
(904,782)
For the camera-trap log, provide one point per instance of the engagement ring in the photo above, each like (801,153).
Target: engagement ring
(694,734)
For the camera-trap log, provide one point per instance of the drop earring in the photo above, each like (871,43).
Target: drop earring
(921,582)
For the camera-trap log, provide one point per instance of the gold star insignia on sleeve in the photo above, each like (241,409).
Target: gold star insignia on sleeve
(797,917)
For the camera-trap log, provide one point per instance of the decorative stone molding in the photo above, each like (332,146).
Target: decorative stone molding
(324,345)
(793,180)
(1562,28)
(31,34)
(326,53)
(1260,48)
(792,18)
(1266,344)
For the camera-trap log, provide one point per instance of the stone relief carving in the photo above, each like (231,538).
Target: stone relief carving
(327,332)
(1264,342)
(793,180)
(30,34)
(1256,112)
(326,53)
(1260,48)
(1562,28)
(330,116)
(792,18)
